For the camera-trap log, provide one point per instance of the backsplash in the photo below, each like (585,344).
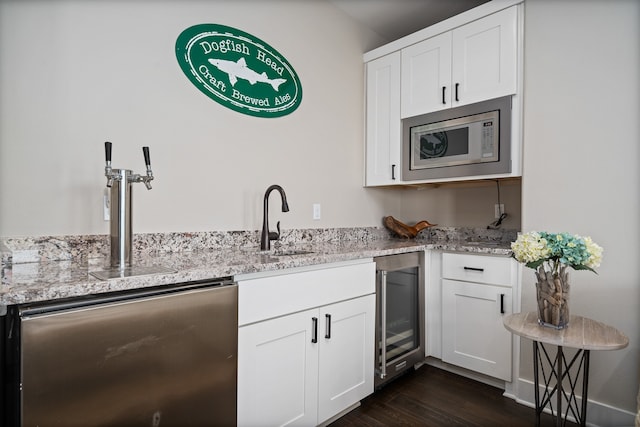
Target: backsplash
(19,250)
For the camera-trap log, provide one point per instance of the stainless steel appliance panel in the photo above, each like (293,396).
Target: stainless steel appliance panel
(164,360)
(399,314)
(489,149)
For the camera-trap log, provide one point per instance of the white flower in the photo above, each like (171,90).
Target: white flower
(530,247)
(595,253)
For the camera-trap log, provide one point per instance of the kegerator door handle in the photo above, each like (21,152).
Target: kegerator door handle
(383,324)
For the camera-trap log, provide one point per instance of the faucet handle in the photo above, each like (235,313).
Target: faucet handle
(275,235)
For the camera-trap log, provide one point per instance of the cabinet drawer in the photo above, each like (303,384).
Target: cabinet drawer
(478,268)
(268,297)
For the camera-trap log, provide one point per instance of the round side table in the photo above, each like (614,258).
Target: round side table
(582,334)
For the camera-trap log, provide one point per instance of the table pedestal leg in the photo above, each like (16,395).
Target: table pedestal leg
(559,369)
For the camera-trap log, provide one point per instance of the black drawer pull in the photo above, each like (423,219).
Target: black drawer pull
(328,326)
(474,269)
(457,85)
(393,172)
(314,332)
(444,89)
(501,303)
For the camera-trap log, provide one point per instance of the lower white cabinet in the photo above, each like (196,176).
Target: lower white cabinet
(304,367)
(476,295)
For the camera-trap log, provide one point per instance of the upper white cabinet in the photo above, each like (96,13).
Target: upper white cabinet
(383,124)
(471,63)
(469,58)
(426,76)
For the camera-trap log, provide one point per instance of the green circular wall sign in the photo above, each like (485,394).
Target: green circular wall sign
(238,70)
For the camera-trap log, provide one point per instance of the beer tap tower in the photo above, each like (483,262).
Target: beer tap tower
(120,183)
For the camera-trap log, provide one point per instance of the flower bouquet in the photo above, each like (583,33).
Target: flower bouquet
(550,254)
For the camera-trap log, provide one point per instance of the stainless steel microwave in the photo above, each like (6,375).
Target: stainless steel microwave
(471,140)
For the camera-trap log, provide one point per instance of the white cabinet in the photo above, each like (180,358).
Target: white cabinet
(472,57)
(471,63)
(383,133)
(426,76)
(299,365)
(476,295)
(346,357)
(277,372)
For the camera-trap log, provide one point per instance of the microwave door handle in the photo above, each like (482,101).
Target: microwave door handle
(383,326)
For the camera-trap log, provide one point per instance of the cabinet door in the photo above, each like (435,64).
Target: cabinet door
(485,58)
(473,335)
(346,355)
(383,121)
(278,372)
(426,76)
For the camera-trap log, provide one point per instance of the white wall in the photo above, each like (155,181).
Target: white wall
(581,155)
(463,205)
(74,74)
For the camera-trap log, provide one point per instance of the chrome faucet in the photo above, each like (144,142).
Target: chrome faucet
(267,236)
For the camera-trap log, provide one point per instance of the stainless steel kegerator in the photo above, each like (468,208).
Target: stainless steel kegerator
(400,314)
(166,357)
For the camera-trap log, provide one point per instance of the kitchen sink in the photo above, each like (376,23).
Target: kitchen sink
(278,252)
(290,252)
(486,243)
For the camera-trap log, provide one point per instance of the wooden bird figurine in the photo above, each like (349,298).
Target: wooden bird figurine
(404,230)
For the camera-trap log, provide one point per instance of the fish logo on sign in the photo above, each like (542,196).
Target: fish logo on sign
(238,70)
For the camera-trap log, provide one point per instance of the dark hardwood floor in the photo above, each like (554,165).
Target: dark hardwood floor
(432,397)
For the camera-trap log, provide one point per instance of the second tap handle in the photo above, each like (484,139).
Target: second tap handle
(107,152)
(147,159)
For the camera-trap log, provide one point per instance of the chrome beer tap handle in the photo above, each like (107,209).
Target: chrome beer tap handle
(107,169)
(147,161)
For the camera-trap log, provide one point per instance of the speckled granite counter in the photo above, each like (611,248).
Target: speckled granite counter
(32,275)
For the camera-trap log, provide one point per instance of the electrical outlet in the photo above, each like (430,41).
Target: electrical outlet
(316,211)
(499,210)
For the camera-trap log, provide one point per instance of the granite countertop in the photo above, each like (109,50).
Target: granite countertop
(50,280)
(29,282)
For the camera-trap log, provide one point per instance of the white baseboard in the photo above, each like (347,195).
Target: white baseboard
(598,414)
(437,363)
(522,391)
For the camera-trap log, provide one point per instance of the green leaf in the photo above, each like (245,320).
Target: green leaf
(535,264)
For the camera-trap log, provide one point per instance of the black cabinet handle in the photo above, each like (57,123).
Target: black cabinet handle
(474,269)
(314,330)
(393,172)
(444,89)
(328,325)
(457,85)
(501,303)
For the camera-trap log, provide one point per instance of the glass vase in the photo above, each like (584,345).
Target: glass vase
(552,294)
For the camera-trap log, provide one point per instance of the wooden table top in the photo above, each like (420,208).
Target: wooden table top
(582,332)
